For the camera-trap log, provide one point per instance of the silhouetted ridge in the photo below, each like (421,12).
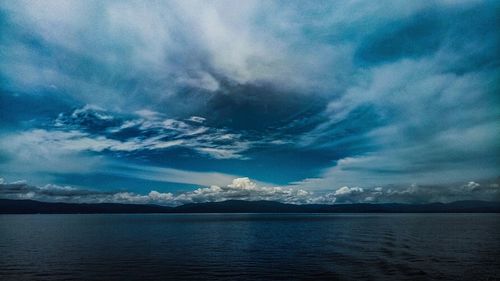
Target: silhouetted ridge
(8,206)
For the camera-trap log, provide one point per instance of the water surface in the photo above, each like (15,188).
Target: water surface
(250,247)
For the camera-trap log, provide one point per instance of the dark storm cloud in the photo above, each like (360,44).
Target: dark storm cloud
(414,37)
(259,107)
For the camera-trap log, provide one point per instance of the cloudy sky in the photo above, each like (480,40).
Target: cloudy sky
(303,102)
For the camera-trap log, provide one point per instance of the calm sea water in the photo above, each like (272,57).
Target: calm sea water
(250,247)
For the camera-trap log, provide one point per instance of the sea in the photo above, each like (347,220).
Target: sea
(250,247)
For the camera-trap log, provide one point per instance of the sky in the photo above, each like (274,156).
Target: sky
(174,102)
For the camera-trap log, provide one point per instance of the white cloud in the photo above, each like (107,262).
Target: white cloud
(240,189)
(196,119)
(345,190)
(245,189)
(471,186)
(148,114)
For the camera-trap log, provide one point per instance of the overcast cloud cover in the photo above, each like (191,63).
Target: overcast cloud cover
(182,101)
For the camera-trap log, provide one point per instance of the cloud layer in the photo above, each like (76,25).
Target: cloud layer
(313,96)
(245,189)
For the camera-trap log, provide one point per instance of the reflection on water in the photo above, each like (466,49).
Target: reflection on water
(250,247)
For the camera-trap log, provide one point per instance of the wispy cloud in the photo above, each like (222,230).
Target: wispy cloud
(418,131)
(93,129)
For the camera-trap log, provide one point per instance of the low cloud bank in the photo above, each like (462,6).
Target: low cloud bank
(245,189)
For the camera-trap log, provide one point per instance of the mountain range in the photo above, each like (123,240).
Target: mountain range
(9,206)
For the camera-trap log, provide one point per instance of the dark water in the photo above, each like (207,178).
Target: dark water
(250,247)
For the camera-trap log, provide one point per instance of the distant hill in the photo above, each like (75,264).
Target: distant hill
(8,206)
